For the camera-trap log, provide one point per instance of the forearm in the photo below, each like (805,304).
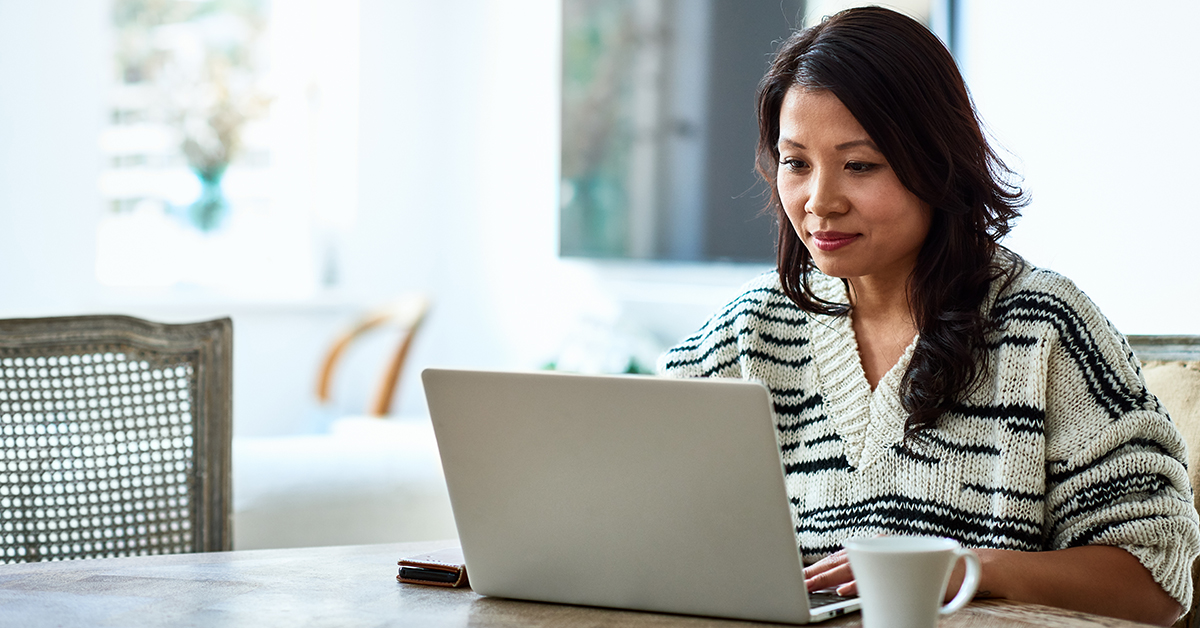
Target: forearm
(1097,579)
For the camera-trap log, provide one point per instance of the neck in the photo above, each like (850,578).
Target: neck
(874,300)
(883,325)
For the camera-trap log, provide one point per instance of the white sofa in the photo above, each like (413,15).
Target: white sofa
(368,480)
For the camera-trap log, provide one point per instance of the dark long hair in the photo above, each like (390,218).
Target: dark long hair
(904,88)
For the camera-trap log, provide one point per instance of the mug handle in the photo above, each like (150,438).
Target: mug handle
(970,581)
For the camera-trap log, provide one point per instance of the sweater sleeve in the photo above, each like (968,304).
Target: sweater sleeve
(722,345)
(1115,464)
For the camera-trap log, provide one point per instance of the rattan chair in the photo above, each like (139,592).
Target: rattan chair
(1171,365)
(114,437)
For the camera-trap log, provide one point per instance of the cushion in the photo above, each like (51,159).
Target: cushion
(1177,386)
(368,480)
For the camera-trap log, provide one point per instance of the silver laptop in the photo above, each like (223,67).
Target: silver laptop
(631,492)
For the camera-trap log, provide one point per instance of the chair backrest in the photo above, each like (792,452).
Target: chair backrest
(115,437)
(407,314)
(1171,365)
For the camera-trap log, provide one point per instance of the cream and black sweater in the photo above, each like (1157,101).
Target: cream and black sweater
(1063,447)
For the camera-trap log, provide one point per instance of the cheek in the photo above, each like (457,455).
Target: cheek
(910,225)
(793,205)
(795,214)
(797,222)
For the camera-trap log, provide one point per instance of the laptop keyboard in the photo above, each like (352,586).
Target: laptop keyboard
(826,596)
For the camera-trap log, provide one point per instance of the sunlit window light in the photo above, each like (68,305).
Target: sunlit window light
(231,149)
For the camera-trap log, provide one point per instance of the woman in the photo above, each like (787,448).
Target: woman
(927,380)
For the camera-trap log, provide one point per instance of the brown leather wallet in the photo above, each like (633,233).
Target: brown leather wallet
(442,568)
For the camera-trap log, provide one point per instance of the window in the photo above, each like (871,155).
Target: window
(230,153)
(659,129)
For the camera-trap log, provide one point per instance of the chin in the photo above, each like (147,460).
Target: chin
(833,269)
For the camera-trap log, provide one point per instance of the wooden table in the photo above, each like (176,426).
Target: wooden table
(345,587)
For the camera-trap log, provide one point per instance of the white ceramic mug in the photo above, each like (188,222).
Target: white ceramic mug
(902,579)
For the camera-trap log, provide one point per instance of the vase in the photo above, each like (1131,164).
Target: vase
(209,211)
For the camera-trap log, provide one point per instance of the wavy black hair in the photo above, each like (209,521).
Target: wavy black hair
(904,88)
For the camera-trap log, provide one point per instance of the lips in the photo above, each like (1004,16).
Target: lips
(833,240)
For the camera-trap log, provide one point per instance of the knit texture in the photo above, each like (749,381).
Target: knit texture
(1062,447)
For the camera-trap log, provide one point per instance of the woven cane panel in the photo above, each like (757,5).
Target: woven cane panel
(96,454)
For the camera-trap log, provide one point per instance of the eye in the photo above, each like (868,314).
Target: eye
(859,167)
(793,164)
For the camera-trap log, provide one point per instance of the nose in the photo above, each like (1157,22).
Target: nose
(824,195)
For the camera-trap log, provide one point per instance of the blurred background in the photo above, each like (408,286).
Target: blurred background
(569,182)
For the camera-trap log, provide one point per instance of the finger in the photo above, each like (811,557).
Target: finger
(825,564)
(835,577)
(850,588)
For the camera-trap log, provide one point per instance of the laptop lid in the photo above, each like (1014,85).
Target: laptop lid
(631,492)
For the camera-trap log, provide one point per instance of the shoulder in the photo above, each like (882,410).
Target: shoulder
(1044,298)
(761,288)
(760,299)
(1042,303)
(1033,280)
(1092,377)
(760,311)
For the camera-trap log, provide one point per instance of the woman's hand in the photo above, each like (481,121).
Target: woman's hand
(833,571)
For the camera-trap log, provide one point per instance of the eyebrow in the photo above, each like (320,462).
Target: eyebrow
(843,146)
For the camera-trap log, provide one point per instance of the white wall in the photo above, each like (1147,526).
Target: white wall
(1098,101)
(51,82)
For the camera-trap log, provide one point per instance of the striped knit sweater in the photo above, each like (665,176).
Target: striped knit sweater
(1063,447)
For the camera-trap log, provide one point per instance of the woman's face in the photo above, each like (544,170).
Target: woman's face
(841,195)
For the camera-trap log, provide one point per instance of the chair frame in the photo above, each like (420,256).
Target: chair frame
(408,313)
(210,344)
(1166,348)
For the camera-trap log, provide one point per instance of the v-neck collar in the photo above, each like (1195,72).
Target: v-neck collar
(868,422)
